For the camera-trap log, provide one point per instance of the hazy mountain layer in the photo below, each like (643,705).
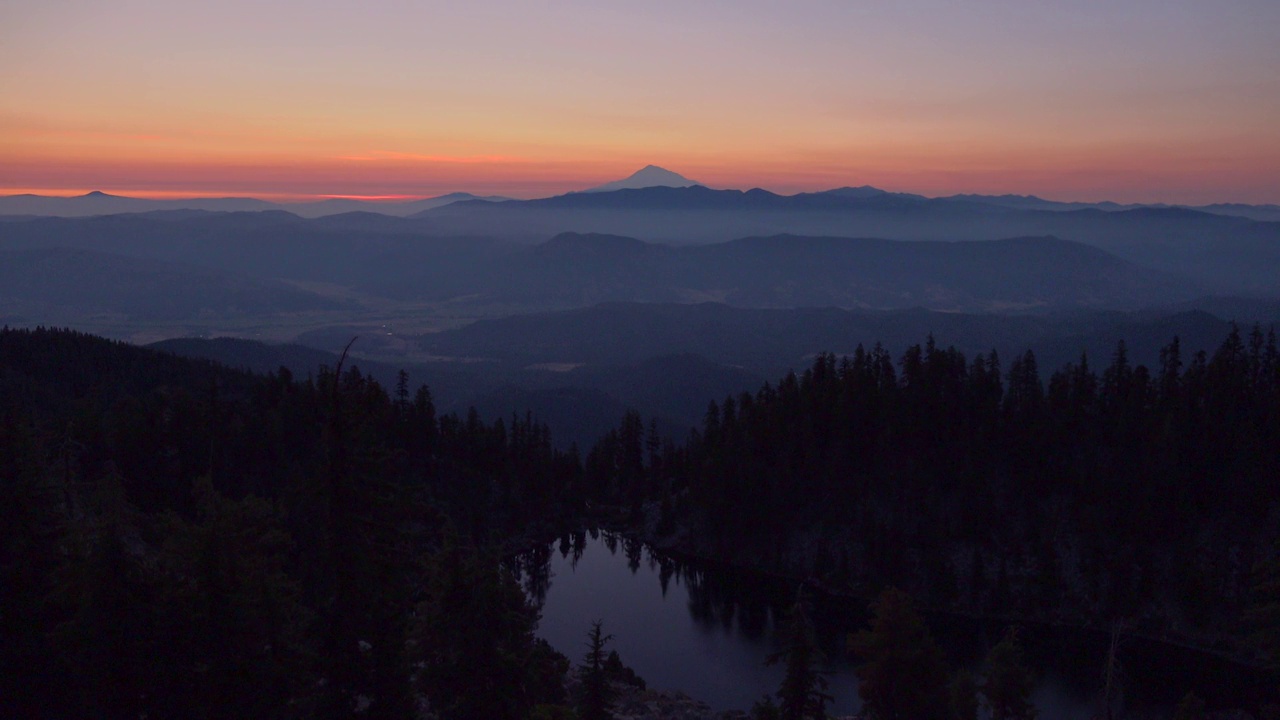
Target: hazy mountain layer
(99,203)
(353,249)
(769,341)
(396,258)
(1229,253)
(785,271)
(1221,253)
(58,285)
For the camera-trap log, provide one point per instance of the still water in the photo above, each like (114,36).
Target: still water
(680,627)
(708,631)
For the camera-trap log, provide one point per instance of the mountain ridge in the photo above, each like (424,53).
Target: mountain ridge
(97,202)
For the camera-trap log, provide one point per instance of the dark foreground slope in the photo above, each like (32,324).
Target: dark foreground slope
(160,517)
(182,540)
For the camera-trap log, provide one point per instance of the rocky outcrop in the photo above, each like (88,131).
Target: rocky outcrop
(635,704)
(632,702)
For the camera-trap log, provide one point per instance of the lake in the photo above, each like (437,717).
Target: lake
(708,630)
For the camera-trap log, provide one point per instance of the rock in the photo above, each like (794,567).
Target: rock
(633,703)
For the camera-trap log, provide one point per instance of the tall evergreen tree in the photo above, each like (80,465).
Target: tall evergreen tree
(1263,614)
(1006,681)
(474,637)
(903,676)
(801,695)
(596,693)
(964,696)
(110,636)
(33,528)
(1191,707)
(238,636)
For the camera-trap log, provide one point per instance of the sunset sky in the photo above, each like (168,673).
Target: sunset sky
(1135,101)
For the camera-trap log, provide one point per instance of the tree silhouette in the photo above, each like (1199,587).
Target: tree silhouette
(596,693)
(1006,681)
(801,695)
(903,676)
(475,636)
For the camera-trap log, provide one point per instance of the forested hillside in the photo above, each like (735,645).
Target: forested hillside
(1118,493)
(178,539)
(182,540)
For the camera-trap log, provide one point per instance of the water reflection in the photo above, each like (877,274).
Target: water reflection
(632,549)
(573,544)
(707,631)
(666,568)
(533,570)
(695,629)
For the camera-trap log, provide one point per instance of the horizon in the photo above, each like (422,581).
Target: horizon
(295,199)
(1170,102)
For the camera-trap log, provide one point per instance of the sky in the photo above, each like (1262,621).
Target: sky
(1128,100)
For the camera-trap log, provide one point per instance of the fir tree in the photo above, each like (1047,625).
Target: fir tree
(475,636)
(596,693)
(903,676)
(801,695)
(1191,707)
(964,696)
(1006,681)
(1263,614)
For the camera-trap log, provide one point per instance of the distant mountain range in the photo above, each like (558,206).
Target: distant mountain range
(55,286)
(856,248)
(1011,275)
(468,246)
(399,259)
(653,292)
(1229,253)
(650,176)
(100,203)
(1227,249)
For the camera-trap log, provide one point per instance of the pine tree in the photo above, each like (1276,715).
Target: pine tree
(231,615)
(1006,682)
(110,637)
(475,636)
(801,695)
(1190,708)
(765,709)
(363,623)
(596,693)
(964,696)
(1263,615)
(32,530)
(903,676)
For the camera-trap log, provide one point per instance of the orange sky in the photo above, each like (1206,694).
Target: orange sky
(1171,101)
